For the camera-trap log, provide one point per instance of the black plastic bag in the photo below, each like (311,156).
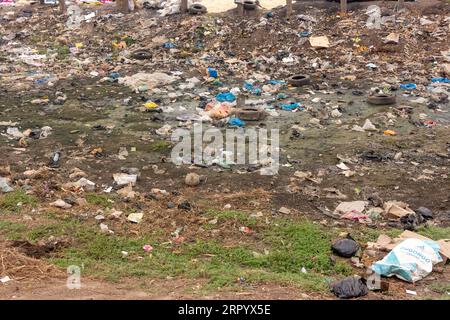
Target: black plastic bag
(350,287)
(345,247)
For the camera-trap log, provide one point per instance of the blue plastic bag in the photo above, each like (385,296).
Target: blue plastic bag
(290,106)
(275,82)
(169,45)
(236,122)
(213,73)
(440,80)
(408,86)
(226,97)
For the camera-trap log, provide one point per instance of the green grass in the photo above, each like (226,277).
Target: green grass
(297,245)
(285,247)
(12,230)
(62,52)
(237,216)
(290,247)
(99,200)
(434,233)
(13,201)
(160,146)
(440,287)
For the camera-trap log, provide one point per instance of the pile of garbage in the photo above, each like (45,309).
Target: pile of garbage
(411,257)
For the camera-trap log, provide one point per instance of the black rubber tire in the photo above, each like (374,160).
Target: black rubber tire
(382,99)
(250,114)
(249,5)
(197,8)
(298,80)
(141,54)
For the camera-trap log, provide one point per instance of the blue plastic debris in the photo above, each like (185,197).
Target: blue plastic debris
(236,122)
(304,34)
(408,86)
(440,80)
(213,73)
(281,96)
(169,45)
(226,97)
(250,87)
(269,14)
(42,80)
(275,82)
(290,106)
(113,76)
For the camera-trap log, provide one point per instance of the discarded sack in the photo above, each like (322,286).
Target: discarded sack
(350,287)
(345,247)
(411,260)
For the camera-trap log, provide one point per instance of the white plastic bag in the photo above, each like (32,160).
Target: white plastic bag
(411,260)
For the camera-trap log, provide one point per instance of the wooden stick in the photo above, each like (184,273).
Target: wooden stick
(184,6)
(343,6)
(240,8)
(122,6)
(62,6)
(288,8)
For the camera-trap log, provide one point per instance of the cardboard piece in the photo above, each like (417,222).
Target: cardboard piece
(397,209)
(319,42)
(386,243)
(444,243)
(393,38)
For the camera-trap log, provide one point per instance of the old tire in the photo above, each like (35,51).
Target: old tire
(382,99)
(298,80)
(249,5)
(141,54)
(197,8)
(250,114)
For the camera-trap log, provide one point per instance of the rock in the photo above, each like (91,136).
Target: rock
(126,192)
(446,69)
(336,113)
(192,179)
(284,210)
(393,38)
(425,213)
(115,214)
(61,204)
(185,205)
(86,184)
(77,173)
(369,126)
(4,186)
(135,217)
(81,202)
(104,228)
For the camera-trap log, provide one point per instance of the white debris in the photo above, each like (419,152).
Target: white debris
(135,217)
(61,204)
(123,179)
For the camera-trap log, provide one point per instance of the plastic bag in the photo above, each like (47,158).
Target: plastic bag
(345,247)
(411,260)
(350,287)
